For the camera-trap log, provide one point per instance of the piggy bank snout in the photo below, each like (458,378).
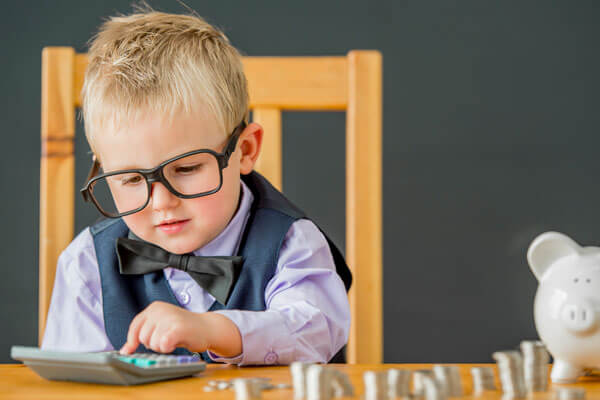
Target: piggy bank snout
(579,316)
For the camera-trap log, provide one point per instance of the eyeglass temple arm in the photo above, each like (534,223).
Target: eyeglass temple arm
(231,145)
(93,172)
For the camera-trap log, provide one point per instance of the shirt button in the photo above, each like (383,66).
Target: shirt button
(271,358)
(184,297)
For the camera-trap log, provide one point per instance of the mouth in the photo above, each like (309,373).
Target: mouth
(172,225)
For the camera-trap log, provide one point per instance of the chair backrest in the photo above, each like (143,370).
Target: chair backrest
(352,83)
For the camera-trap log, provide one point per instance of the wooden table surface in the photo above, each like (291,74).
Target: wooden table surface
(19,382)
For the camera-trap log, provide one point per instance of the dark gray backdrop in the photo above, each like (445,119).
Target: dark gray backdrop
(490,137)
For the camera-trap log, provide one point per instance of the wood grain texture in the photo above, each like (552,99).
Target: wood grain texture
(19,382)
(363,206)
(269,162)
(57,168)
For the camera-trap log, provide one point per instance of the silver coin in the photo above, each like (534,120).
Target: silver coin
(569,393)
(318,383)
(376,385)
(398,382)
(483,379)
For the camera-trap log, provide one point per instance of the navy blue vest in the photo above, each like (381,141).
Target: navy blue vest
(271,215)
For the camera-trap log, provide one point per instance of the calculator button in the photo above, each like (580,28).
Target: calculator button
(144,363)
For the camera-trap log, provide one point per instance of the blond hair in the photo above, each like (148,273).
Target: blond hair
(153,62)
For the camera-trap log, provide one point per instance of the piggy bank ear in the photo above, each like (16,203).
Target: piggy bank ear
(546,249)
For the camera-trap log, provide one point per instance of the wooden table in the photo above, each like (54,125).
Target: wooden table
(18,382)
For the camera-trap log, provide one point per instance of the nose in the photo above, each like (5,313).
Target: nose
(579,316)
(161,198)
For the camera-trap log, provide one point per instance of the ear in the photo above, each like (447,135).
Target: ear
(546,249)
(249,144)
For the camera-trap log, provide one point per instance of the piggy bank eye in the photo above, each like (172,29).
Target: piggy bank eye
(588,280)
(576,280)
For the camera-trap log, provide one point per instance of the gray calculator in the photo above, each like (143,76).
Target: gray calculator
(107,367)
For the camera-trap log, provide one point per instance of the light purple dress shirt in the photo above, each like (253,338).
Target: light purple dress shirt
(307,316)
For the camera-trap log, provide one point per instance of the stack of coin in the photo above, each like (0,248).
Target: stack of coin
(570,393)
(376,387)
(432,388)
(483,379)
(247,389)
(535,365)
(510,369)
(342,386)
(398,383)
(319,383)
(298,371)
(448,376)
(418,381)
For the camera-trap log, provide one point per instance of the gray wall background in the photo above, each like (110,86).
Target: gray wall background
(490,138)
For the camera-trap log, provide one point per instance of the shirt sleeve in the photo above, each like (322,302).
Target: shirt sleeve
(75,319)
(307,316)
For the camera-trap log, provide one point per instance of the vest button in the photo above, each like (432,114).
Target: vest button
(184,298)
(271,358)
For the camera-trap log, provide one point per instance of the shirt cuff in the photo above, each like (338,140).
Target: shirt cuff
(266,339)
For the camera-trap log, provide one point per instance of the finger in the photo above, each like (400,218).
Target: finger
(146,332)
(154,342)
(168,341)
(133,334)
(166,344)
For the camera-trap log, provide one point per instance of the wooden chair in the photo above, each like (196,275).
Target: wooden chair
(351,83)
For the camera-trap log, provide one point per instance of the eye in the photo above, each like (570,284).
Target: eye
(576,280)
(188,169)
(131,180)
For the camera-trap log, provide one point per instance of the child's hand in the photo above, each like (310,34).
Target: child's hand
(162,327)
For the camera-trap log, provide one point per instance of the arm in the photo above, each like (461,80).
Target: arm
(307,316)
(163,327)
(75,320)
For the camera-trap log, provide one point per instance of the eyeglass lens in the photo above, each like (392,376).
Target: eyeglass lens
(191,175)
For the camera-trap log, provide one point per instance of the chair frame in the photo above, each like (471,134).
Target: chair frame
(351,83)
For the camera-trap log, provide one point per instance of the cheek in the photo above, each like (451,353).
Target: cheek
(140,223)
(217,208)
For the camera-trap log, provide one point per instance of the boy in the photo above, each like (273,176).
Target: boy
(199,253)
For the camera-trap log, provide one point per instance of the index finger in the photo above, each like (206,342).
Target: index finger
(133,340)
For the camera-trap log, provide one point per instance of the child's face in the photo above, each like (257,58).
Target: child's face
(175,224)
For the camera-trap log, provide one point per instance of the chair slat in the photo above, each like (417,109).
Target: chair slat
(363,206)
(57,169)
(290,83)
(269,162)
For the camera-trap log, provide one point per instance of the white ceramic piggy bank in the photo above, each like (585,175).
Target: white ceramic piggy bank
(567,303)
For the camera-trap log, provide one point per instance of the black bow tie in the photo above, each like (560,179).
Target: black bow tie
(216,275)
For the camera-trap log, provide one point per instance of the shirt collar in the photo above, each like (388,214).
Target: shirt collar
(228,241)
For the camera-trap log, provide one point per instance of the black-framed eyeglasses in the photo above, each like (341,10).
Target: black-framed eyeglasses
(193,174)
